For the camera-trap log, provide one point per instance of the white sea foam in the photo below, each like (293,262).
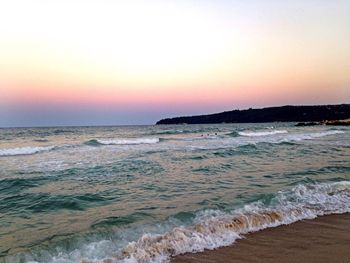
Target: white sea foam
(212,228)
(24,150)
(313,135)
(261,133)
(290,137)
(231,140)
(129,141)
(295,137)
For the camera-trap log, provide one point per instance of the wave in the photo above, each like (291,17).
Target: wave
(306,136)
(233,134)
(296,137)
(265,137)
(93,142)
(207,130)
(129,141)
(208,229)
(214,228)
(261,133)
(234,140)
(24,150)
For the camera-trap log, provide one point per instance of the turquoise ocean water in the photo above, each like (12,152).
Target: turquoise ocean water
(146,193)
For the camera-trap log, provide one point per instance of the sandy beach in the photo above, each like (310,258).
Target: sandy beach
(324,239)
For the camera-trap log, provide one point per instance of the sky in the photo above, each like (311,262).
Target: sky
(104,62)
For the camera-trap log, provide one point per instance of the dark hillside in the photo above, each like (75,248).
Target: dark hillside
(272,114)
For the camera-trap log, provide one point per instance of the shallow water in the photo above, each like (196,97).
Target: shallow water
(144,193)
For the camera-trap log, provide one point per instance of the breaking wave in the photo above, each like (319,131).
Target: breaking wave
(306,136)
(211,229)
(261,133)
(296,137)
(129,141)
(188,131)
(24,150)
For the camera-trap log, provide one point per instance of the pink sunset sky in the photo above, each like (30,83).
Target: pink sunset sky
(131,62)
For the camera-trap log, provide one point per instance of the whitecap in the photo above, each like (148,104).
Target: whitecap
(261,133)
(313,135)
(129,141)
(24,150)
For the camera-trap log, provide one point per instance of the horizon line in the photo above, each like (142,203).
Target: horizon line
(154,124)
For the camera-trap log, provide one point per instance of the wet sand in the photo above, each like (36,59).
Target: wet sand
(324,239)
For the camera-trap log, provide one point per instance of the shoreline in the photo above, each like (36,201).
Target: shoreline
(323,239)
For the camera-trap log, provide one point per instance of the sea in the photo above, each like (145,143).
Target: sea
(148,193)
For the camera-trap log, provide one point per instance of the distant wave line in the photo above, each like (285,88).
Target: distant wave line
(126,141)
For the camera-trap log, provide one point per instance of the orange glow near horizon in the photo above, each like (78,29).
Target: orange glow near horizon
(174,52)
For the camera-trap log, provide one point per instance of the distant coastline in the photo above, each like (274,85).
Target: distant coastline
(321,114)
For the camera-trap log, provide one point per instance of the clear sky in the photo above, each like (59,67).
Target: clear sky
(82,62)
